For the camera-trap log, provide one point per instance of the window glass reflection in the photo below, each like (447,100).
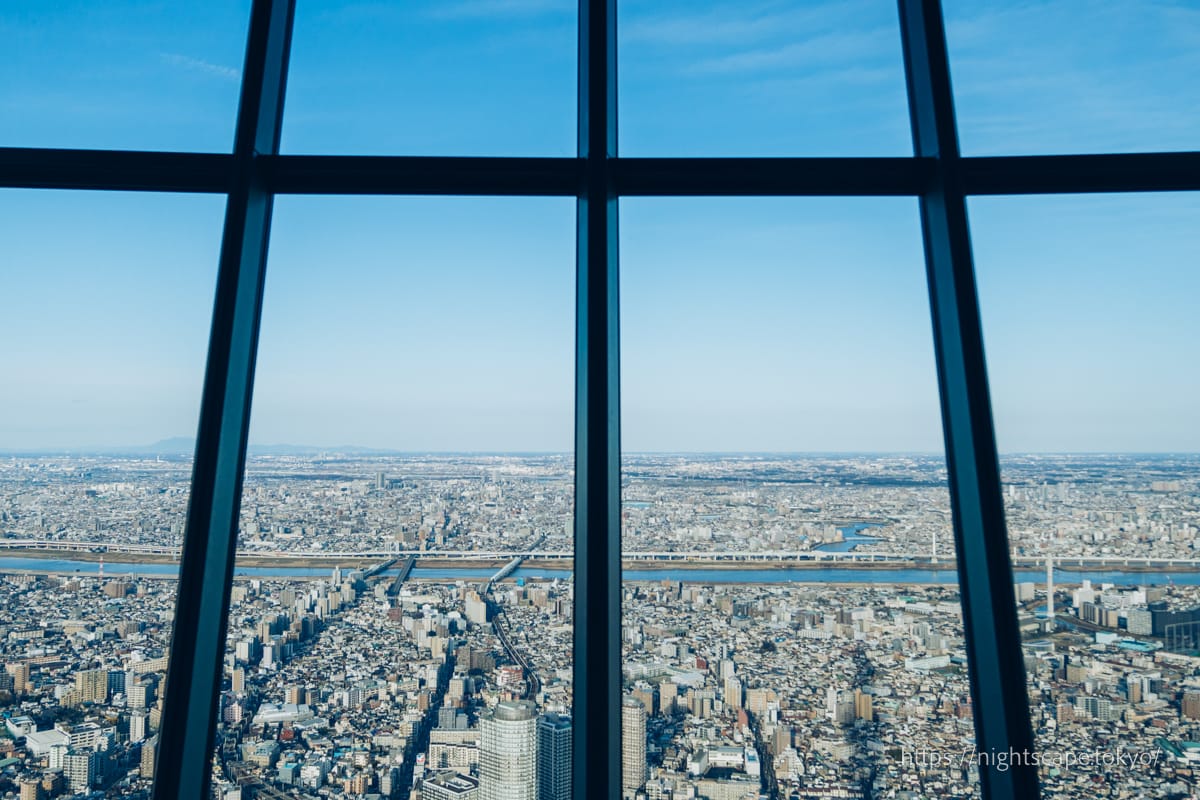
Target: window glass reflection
(105,333)
(402,611)
(1088,317)
(791,621)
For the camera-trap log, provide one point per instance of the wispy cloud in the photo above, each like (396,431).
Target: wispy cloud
(758,39)
(200,65)
(735,24)
(493,9)
(1045,78)
(858,47)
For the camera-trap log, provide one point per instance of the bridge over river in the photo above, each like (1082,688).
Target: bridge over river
(510,559)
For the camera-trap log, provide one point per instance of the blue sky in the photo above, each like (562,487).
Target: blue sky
(748,324)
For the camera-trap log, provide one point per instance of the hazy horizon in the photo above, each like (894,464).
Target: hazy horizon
(161,447)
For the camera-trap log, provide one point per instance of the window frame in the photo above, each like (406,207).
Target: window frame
(254,172)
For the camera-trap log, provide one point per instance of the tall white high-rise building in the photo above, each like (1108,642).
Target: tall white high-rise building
(508,752)
(554,757)
(1050,592)
(80,771)
(139,725)
(633,746)
(732,694)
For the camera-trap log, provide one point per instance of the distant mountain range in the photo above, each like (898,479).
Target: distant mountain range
(186,446)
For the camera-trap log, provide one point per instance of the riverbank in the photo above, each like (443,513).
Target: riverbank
(116,562)
(824,574)
(162,558)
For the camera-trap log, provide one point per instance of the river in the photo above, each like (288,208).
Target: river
(687,574)
(851,538)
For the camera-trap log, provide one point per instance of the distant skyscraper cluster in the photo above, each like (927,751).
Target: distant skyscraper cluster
(523,756)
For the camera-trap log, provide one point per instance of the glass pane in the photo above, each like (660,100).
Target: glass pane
(761,79)
(126,76)
(1075,76)
(104,318)
(792,623)
(427,77)
(1089,312)
(413,409)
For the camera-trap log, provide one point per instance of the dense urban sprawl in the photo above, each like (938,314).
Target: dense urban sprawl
(783,681)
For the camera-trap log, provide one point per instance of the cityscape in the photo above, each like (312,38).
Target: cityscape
(401,625)
(736,262)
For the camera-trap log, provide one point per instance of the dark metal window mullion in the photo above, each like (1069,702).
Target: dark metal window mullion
(597,624)
(195,670)
(993,639)
(127,170)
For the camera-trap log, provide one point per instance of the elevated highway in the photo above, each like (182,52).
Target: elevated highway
(513,559)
